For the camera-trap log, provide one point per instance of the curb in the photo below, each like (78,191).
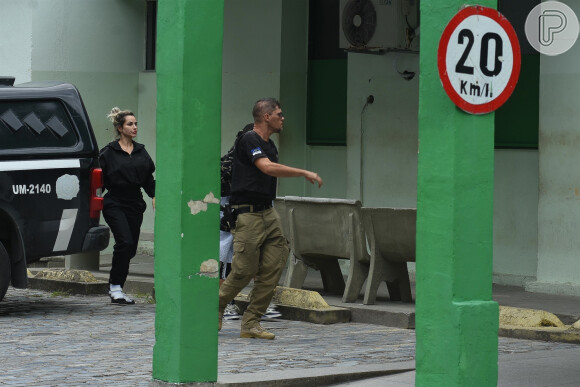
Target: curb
(303,377)
(55,281)
(53,285)
(534,324)
(135,286)
(332,315)
(88,288)
(322,380)
(550,334)
(403,320)
(302,305)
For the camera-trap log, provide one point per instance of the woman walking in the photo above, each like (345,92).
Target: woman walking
(127,167)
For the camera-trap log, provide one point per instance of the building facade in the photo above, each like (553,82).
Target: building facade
(363,150)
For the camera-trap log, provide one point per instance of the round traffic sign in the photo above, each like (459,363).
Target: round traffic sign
(479,59)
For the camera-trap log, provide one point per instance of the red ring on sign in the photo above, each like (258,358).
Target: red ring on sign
(442,56)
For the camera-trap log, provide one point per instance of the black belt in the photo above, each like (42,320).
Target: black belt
(245,208)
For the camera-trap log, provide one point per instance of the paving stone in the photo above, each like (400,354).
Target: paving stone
(53,340)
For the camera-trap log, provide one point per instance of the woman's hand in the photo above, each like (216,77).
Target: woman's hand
(153,201)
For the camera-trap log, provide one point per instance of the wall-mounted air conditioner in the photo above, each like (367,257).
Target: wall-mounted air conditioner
(367,25)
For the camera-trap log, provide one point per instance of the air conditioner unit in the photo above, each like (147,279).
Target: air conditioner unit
(367,25)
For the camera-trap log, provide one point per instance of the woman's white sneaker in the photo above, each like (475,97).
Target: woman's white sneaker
(118,297)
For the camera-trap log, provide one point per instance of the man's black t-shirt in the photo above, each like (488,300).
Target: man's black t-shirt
(249,184)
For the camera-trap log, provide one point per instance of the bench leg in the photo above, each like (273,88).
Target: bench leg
(296,274)
(398,282)
(377,273)
(356,279)
(332,278)
(395,274)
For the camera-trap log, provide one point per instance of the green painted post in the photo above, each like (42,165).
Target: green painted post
(456,319)
(189,62)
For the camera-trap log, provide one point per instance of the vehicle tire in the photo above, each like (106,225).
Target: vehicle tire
(4,271)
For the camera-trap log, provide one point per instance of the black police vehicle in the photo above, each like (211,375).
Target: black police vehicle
(50,181)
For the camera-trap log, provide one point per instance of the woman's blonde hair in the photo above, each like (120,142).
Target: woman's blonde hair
(117,117)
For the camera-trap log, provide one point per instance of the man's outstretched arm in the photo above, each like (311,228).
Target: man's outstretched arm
(280,170)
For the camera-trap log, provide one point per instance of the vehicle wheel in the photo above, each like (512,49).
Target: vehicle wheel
(4,271)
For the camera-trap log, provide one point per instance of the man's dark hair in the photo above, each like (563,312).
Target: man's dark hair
(264,105)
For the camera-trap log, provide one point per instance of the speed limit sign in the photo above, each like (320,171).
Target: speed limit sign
(479,59)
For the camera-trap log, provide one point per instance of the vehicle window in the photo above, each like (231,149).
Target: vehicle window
(35,124)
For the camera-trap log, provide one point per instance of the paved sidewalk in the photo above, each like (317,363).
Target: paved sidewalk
(567,308)
(368,347)
(54,340)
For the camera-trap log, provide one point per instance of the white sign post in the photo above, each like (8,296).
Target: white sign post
(479,59)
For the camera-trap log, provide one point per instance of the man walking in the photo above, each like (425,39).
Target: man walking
(260,249)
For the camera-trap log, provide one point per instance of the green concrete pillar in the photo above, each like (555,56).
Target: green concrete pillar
(456,319)
(189,62)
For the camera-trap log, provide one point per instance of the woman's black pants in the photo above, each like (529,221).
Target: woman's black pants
(124,220)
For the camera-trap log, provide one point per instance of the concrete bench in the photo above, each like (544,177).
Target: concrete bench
(280,207)
(391,236)
(322,231)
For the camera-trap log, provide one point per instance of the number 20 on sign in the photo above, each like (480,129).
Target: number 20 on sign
(479,59)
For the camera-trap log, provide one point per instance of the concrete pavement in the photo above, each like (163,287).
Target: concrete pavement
(363,352)
(51,339)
